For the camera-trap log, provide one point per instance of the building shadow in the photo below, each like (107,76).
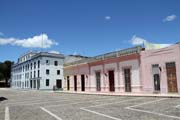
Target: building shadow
(2,99)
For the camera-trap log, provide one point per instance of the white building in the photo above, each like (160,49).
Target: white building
(41,70)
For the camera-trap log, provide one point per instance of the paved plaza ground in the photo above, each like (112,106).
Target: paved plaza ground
(43,105)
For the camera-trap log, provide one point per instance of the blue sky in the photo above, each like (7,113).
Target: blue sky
(86,27)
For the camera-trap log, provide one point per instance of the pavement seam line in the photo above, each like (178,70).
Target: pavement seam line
(6,113)
(49,106)
(146,103)
(154,113)
(101,114)
(145,111)
(50,113)
(113,103)
(177,106)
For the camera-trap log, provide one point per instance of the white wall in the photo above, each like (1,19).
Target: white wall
(135,75)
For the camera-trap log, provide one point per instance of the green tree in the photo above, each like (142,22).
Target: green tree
(5,71)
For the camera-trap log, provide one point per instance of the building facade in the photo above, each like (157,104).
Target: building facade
(112,72)
(160,70)
(41,70)
(133,70)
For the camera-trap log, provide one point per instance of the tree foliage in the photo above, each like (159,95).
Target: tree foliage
(5,70)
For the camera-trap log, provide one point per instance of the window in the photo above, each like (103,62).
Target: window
(31,66)
(38,64)
(47,82)
(56,63)
(47,72)
(58,72)
(34,74)
(31,75)
(47,62)
(34,65)
(38,73)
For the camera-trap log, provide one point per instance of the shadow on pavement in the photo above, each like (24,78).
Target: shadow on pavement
(3,98)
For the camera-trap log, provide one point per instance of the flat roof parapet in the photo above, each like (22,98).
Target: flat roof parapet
(114,54)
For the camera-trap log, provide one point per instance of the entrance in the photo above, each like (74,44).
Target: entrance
(111,81)
(34,83)
(171,77)
(98,81)
(156,82)
(68,83)
(75,83)
(127,78)
(38,84)
(82,83)
(31,83)
(59,83)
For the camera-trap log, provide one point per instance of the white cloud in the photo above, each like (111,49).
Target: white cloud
(1,34)
(137,40)
(107,17)
(54,51)
(169,18)
(75,53)
(140,41)
(38,41)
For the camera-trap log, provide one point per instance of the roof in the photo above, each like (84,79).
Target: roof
(43,54)
(113,54)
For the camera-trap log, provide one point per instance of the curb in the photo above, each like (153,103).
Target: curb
(127,95)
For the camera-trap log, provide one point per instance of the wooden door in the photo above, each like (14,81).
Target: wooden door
(68,83)
(127,78)
(156,82)
(82,83)
(171,77)
(111,81)
(59,83)
(98,81)
(75,83)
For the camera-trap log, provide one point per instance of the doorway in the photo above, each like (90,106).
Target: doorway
(82,83)
(156,82)
(98,81)
(34,83)
(111,80)
(75,83)
(127,78)
(68,83)
(171,77)
(38,84)
(59,83)
(31,84)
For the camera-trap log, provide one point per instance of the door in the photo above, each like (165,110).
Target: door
(68,83)
(34,83)
(31,83)
(38,84)
(59,83)
(75,83)
(156,82)
(111,81)
(127,78)
(82,83)
(171,77)
(98,81)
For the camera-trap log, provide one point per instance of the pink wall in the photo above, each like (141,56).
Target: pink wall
(161,57)
(117,64)
(77,70)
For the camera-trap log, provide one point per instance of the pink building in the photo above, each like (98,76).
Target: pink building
(117,71)
(160,70)
(131,70)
